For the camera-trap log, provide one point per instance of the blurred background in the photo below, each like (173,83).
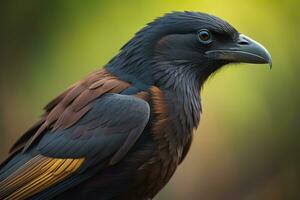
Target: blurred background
(247,146)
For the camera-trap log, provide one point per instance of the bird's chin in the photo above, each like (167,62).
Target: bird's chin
(207,70)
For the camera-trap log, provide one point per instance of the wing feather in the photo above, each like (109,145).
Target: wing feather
(36,175)
(89,124)
(69,107)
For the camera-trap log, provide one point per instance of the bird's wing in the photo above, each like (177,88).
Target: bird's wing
(85,132)
(108,130)
(66,109)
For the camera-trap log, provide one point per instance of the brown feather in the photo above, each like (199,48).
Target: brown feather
(69,107)
(159,108)
(143,95)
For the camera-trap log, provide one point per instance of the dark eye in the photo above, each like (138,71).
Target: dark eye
(204,36)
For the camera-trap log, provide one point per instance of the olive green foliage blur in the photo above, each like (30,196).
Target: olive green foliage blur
(247,145)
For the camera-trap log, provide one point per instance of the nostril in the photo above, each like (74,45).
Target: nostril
(243,42)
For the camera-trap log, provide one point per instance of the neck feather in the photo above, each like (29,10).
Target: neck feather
(183,82)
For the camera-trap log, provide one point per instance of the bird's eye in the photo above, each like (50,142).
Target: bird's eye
(204,36)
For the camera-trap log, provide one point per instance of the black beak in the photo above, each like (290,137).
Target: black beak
(243,50)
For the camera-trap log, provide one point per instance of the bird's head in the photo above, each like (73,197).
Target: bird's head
(186,44)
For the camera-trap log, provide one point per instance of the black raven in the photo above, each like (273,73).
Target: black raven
(121,132)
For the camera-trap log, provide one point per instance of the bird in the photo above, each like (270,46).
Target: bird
(121,132)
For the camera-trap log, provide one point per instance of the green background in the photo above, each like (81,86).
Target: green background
(247,144)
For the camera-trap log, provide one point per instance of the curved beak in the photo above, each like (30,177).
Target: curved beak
(244,50)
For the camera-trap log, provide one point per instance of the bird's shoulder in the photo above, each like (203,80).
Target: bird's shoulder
(69,107)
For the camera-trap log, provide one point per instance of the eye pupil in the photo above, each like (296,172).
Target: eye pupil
(204,36)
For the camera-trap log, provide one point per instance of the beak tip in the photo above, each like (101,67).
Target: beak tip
(269,60)
(270,65)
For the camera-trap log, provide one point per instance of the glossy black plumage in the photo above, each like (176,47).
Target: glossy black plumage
(121,132)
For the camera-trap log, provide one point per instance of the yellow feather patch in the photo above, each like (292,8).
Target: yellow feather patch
(36,175)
